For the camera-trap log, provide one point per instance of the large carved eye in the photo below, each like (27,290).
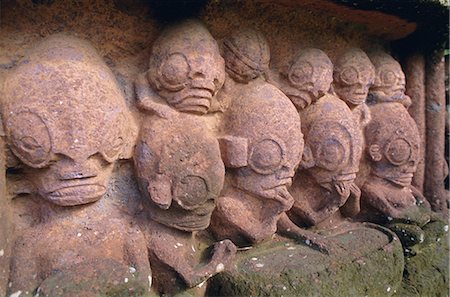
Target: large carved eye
(113,149)
(388,78)
(301,73)
(113,140)
(398,151)
(29,138)
(349,75)
(267,156)
(330,154)
(191,192)
(175,70)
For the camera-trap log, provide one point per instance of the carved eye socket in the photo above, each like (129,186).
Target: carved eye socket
(113,149)
(175,70)
(349,76)
(191,192)
(388,78)
(267,156)
(113,138)
(398,151)
(30,139)
(330,154)
(301,73)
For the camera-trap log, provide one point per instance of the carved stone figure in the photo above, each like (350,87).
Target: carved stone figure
(177,159)
(247,55)
(352,77)
(260,150)
(392,148)
(390,83)
(333,145)
(306,78)
(66,121)
(186,68)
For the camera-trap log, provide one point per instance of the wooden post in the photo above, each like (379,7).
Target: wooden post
(435,168)
(415,88)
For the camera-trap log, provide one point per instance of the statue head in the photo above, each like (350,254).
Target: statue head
(181,175)
(390,82)
(186,68)
(263,142)
(246,54)
(393,143)
(333,145)
(307,77)
(353,75)
(65,118)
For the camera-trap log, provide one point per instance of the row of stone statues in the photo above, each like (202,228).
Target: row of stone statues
(220,147)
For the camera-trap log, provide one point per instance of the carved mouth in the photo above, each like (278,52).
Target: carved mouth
(358,98)
(196,101)
(345,177)
(76,194)
(403,180)
(285,182)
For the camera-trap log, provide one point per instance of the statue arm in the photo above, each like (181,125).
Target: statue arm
(288,229)
(378,200)
(24,274)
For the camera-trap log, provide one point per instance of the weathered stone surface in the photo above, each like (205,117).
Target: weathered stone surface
(217,127)
(66,121)
(284,268)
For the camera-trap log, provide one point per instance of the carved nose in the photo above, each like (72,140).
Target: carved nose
(198,75)
(285,173)
(70,169)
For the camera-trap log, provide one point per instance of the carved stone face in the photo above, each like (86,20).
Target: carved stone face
(353,75)
(182,174)
(393,143)
(307,78)
(186,68)
(264,150)
(246,54)
(390,82)
(333,145)
(66,120)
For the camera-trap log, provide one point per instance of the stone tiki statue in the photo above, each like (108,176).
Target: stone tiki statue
(324,184)
(261,144)
(352,77)
(392,150)
(66,121)
(390,83)
(177,159)
(306,78)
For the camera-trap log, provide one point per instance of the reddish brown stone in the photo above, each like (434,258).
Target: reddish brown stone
(353,75)
(415,88)
(177,159)
(393,146)
(390,82)
(333,146)
(436,168)
(306,78)
(261,144)
(67,123)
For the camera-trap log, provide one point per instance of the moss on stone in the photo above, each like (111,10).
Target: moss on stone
(368,262)
(426,273)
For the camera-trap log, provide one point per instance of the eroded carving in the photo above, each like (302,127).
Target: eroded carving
(261,146)
(186,68)
(393,145)
(352,77)
(66,121)
(178,161)
(324,183)
(389,84)
(330,162)
(306,78)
